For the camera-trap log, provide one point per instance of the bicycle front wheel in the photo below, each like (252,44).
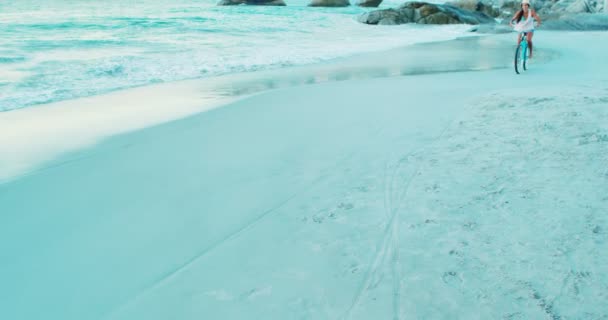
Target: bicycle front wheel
(517,59)
(524,58)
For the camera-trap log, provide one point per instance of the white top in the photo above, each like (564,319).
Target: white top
(525,25)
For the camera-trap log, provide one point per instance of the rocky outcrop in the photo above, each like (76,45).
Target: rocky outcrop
(580,22)
(478,6)
(265,2)
(561,14)
(252,2)
(230,2)
(369,3)
(329,3)
(574,6)
(549,8)
(425,13)
(556,15)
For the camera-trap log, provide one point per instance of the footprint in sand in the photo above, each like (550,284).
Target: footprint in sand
(451,278)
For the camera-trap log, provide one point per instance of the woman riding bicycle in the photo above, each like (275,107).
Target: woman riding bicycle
(527,25)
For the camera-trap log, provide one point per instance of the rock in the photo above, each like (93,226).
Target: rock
(552,8)
(329,3)
(579,22)
(477,6)
(508,8)
(425,13)
(369,3)
(572,6)
(265,2)
(382,17)
(555,14)
(230,2)
(252,2)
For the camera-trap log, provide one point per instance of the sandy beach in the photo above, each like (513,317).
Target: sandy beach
(427,182)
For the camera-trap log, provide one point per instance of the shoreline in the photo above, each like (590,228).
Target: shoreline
(39,134)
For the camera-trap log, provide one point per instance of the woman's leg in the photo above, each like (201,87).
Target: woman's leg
(529,38)
(519,39)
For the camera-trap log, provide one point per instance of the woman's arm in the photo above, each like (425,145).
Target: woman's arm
(536,17)
(515,17)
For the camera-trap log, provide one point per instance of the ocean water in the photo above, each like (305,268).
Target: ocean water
(63,49)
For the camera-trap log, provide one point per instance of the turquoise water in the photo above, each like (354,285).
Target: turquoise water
(57,50)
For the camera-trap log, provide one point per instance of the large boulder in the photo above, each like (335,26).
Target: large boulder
(369,3)
(555,14)
(562,14)
(252,2)
(579,22)
(478,6)
(425,13)
(329,3)
(543,8)
(230,2)
(573,6)
(551,8)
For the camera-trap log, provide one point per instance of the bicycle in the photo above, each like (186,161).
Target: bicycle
(521,54)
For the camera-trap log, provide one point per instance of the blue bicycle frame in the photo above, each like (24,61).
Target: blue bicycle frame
(521,54)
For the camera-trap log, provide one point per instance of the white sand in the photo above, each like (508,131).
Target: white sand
(33,136)
(470,195)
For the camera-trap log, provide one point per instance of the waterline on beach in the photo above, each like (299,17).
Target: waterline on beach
(33,136)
